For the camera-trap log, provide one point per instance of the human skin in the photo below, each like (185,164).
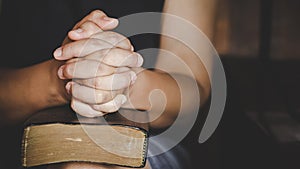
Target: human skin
(23,95)
(148,80)
(25,91)
(86,101)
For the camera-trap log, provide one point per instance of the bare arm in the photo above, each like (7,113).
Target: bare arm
(201,14)
(90,96)
(27,90)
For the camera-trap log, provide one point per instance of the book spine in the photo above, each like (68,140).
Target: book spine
(145,151)
(24,146)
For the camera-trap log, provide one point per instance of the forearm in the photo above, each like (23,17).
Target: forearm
(27,90)
(159,92)
(182,59)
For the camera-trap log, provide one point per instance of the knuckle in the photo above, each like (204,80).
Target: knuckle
(71,49)
(94,43)
(77,25)
(69,71)
(94,36)
(96,14)
(124,54)
(88,25)
(129,55)
(116,38)
(121,40)
(113,39)
(127,42)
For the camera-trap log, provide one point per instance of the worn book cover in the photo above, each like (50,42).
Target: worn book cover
(59,135)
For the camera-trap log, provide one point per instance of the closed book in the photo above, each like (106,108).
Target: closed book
(59,135)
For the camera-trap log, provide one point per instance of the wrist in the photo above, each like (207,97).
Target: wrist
(158,93)
(58,93)
(48,89)
(27,90)
(137,92)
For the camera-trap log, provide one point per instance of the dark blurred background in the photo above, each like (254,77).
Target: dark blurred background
(258,41)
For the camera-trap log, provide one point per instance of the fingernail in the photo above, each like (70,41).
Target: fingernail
(140,60)
(106,18)
(60,72)
(133,77)
(68,87)
(79,30)
(57,52)
(111,22)
(123,99)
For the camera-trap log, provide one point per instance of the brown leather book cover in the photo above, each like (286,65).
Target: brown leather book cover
(59,135)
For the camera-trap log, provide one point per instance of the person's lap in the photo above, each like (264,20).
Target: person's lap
(82,165)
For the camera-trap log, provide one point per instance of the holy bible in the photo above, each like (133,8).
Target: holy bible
(59,135)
